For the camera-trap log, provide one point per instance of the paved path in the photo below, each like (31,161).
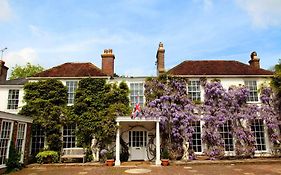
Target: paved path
(205,169)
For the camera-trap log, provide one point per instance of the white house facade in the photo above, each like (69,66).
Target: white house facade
(141,134)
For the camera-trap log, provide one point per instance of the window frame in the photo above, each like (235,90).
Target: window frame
(135,93)
(227,136)
(23,140)
(260,140)
(71,135)
(8,143)
(72,86)
(13,99)
(40,135)
(194,90)
(252,86)
(137,138)
(195,137)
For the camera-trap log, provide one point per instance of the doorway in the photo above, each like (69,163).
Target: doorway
(137,144)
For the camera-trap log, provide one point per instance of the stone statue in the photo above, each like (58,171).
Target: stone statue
(95,149)
(185,146)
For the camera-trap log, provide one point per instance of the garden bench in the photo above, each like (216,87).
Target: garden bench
(73,153)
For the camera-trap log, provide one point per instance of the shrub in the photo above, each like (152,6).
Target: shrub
(13,162)
(47,157)
(165,154)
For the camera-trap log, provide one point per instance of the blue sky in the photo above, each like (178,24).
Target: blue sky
(52,32)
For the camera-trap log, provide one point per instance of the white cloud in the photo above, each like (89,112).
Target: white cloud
(37,31)
(263,13)
(5,10)
(20,57)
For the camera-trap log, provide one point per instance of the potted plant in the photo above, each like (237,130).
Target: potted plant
(165,157)
(107,156)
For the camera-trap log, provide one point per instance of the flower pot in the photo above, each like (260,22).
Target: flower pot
(165,162)
(110,162)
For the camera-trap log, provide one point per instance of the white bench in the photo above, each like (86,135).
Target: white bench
(73,153)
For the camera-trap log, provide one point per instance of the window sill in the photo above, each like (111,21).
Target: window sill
(253,102)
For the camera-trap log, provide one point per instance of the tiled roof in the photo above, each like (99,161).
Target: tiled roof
(20,81)
(216,67)
(72,70)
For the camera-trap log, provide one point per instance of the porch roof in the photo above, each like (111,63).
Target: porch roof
(137,119)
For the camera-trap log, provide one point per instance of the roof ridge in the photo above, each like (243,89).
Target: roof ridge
(212,60)
(67,69)
(216,67)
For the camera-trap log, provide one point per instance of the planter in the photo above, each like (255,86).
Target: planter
(165,162)
(110,162)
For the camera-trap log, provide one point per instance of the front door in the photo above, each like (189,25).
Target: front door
(137,143)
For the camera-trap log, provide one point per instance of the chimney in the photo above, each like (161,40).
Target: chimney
(255,61)
(160,59)
(108,62)
(3,71)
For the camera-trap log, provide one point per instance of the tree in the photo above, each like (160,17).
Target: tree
(46,103)
(167,99)
(25,71)
(95,109)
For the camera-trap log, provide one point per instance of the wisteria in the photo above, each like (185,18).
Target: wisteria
(268,114)
(241,115)
(214,115)
(167,98)
(175,110)
(221,106)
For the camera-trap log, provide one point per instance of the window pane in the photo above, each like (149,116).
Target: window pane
(69,138)
(196,137)
(6,131)
(38,138)
(225,131)
(194,90)
(71,88)
(252,86)
(137,94)
(258,128)
(13,99)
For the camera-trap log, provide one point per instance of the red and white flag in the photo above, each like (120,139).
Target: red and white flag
(137,109)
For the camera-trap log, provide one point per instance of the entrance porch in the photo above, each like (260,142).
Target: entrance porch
(139,133)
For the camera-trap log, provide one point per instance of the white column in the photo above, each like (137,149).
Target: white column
(117,151)
(158,161)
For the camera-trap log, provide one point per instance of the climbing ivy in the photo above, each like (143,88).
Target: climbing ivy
(96,106)
(46,103)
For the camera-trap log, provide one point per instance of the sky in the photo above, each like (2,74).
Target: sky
(52,32)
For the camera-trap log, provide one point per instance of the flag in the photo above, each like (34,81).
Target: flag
(137,110)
